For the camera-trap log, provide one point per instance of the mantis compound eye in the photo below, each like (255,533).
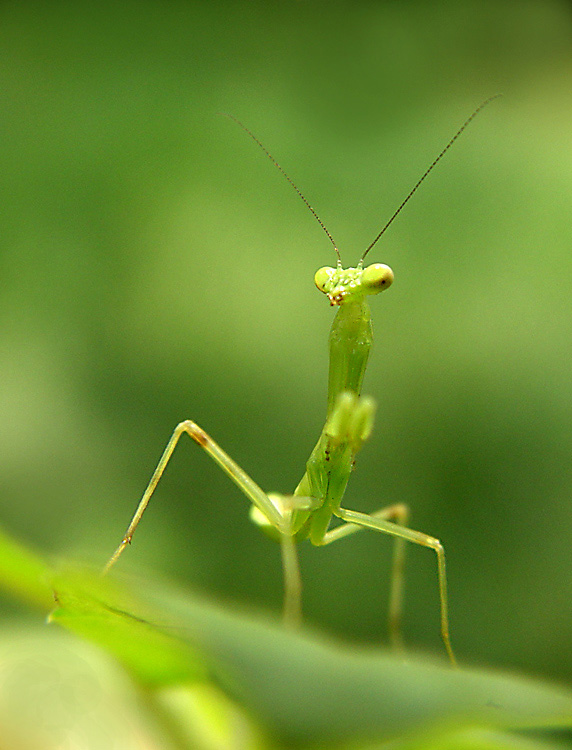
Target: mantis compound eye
(376,278)
(322,276)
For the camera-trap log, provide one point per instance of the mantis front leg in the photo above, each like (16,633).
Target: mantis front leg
(254,493)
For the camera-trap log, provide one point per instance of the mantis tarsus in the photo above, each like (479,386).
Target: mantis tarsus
(307,513)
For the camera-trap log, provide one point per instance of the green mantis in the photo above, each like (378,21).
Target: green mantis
(307,513)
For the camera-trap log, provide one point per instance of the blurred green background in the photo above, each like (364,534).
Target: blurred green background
(154,266)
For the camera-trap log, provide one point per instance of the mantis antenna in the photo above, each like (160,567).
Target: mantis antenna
(403,203)
(273,160)
(433,164)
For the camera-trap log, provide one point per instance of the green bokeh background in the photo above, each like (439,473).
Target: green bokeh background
(155,267)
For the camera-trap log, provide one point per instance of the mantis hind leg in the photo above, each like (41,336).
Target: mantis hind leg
(257,496)
(292,582)
(377,522)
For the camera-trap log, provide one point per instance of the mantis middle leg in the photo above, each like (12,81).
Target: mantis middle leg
(254,493)
(399,514)
(379,522)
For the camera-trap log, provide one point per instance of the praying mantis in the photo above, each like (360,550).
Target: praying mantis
(307,513)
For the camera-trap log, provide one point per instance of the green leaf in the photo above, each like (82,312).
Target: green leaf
(90,607)
(297,689)
(303,689)
(307,689)
(24,574)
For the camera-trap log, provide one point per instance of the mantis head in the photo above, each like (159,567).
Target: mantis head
(342,285)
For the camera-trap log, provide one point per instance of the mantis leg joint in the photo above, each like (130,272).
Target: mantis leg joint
(194,431)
